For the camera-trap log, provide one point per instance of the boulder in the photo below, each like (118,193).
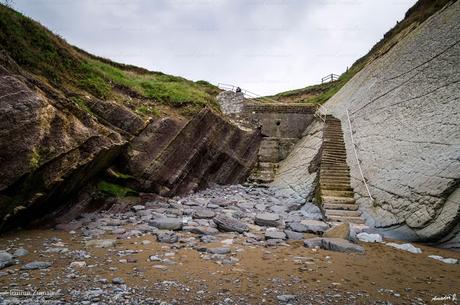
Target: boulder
(405,247)
(267,219)
(6,259)
(309,226)
(101,243)
(274,234)
(167,223)
(293,235)
(333,244)
(167,237)
(20,252)
(202,230)
(221,250)
(36,266)
(341,245)
(444,260)
(230,224)
(315,242)
(370,237)
(204,214)
(339,231)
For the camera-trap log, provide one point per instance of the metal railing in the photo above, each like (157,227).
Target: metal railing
(247,94)
(329,78)
(321,113)
(356,156)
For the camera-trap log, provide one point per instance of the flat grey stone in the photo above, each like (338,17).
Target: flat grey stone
(118,281)
(230,224)
(333,244)
(272,234)
(203,230)
(298,227)
(313,242)
(204,214)
(220,250)
(293,235)
(341,245)
(273,242)
(36,265)
(101,243)
(267,219)
(167,223)
(260,207)
(286,297)
(208,239)
(279,208)
(167,237)
(6,259)
(314,226)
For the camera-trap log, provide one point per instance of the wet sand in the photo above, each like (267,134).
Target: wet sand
(262,273)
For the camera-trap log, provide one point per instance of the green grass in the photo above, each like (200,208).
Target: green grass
(34,159)
(115,190)
(167,89)
(50,58)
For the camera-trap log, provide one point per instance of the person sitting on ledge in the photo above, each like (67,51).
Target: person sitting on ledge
(238,89)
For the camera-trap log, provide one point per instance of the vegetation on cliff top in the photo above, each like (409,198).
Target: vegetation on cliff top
(319,94)
(51,59)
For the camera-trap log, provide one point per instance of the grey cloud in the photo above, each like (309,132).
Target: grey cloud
(265,46)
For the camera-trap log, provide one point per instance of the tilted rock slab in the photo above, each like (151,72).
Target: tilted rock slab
(405,116)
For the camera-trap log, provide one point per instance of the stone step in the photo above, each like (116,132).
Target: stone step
(336,187)
(334,147)
(334,173)
(335,151)
(357,220)
(339,179)
(336,179)
(338,206)
(338,200)
(346,213)
(338,161)
(334,155)
(330,182)
(333,165)
(337,193)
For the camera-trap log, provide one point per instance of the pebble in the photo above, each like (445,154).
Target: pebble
(36,265)
(118,281)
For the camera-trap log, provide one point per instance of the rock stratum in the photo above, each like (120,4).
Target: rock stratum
(405,119)
(50,148)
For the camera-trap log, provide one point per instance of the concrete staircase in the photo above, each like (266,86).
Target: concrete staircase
(267,162)
(336,193)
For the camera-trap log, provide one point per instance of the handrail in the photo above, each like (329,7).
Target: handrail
(246,93)
(332,77)
(321,112)
(356,156)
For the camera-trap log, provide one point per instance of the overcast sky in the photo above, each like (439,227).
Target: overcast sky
(266,46)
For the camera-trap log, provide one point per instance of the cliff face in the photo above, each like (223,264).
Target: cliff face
(171,158)
(405,117)
(49,148)
(66,116)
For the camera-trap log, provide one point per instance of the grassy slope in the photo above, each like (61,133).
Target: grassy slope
(318,94)
(52,60)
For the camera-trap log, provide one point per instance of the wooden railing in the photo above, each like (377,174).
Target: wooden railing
(329,78)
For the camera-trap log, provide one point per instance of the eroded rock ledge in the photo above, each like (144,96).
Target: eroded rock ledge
(52,146)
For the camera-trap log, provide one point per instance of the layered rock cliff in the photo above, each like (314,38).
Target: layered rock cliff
(67,116)
(405,118)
